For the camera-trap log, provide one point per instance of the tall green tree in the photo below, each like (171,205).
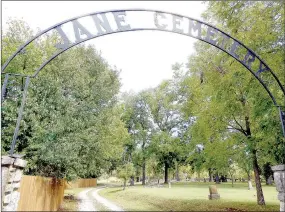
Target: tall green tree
(139,123)
(72,125)
(167,118)
(224,97)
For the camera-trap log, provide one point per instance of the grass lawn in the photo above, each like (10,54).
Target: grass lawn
(191,197)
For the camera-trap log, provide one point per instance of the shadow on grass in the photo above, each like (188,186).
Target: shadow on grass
(115,191)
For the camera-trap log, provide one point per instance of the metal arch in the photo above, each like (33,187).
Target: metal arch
(146,10)
(146,29)
(137,29)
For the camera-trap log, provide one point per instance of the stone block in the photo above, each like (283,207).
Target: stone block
(7,160)
(12,169)
(214,196)
(279,178)
(9,188)
(7,198)
(18,175)
(4,179)
(281,197)
(10,180)
(20,163)
(213,189)
(16,186)
(213,192)
(13,202)
(278,168)
(282,206)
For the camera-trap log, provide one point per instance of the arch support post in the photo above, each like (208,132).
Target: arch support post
(279,179)
(3,92)
(282,119)
(20,114)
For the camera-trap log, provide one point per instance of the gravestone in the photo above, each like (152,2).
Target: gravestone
(270,181)
(213,192)
(249,185)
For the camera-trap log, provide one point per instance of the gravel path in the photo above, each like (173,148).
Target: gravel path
(104,201)
(87,203)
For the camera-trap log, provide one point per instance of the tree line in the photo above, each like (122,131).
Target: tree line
(212,116)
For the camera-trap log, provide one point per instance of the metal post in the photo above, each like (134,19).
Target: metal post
(4,87)
(282,118)
(20,116)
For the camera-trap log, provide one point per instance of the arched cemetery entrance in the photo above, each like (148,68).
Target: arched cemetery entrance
(79,29)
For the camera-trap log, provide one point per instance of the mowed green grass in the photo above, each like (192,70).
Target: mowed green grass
(191,197)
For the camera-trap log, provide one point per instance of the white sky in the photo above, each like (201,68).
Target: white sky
(144,57)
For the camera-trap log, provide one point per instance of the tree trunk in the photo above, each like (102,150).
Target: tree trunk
(144,163)
(199,175)
(210,175)
(249,182)
(143,173)
(125,182)
(132,181)
(259,192)
(232,181)
(165,172)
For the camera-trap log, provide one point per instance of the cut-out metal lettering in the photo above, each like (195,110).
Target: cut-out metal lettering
(224,38)
(176,21)
(211,32)
(249,59)
(160,21)
(214,36)
(104,23)
(194,27)
(66,41)
(262,68)
(120,19)
(156,22)
(80,30)
(235,47)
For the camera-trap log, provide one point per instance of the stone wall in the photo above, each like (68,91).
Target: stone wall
(279,178)
(12,170)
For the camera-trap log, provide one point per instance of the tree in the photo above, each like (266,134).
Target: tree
(125,171)
(154,168)
(72,125)
(245,164)
(227,99)
(138,121)
(166,117)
